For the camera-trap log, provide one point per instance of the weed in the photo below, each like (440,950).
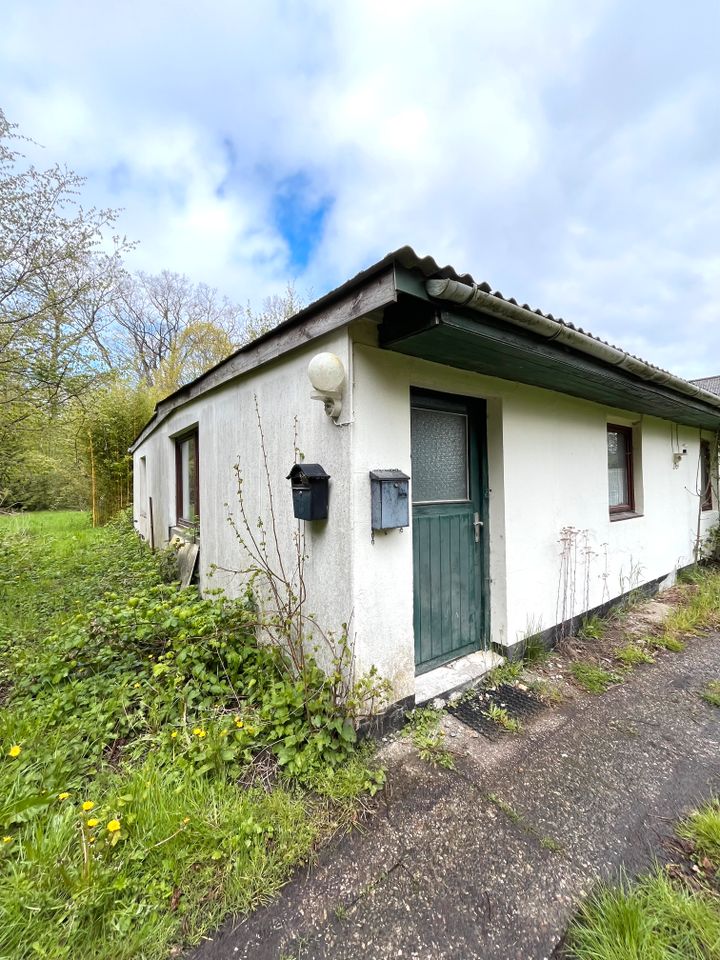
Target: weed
(592,628)
(503,805)
(423,728)
(632,654)
(508,672)
(534,651)
(711,693)
(550,843)
(133,711)
(549,693)
(664,641)
(502,718)
(593,679)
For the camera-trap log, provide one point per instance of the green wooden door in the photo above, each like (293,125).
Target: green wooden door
(449,495)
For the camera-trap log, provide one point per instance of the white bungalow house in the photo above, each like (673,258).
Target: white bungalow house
(549,472)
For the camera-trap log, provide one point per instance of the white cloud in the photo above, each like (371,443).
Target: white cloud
(567,155)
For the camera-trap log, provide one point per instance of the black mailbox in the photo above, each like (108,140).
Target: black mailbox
(309,484)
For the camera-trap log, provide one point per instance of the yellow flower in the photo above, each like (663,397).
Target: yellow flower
(113,826)
(186,819)
(7,839)
(238,722)
(92,822)
(15,750)
(173,735)
(88,805)
(199,732)
(91,839)
(64,795)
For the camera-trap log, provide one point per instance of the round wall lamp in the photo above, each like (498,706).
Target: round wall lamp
(327,375)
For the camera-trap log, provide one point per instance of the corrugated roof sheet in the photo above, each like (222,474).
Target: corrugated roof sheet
(430,269)
(711,384)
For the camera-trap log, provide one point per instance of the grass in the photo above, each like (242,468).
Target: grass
(657,917)
(632,654)
(508,672)
(592,678)
(505,807)
(502,718)
(702,828)
(534,651)
(173,835)
(711,693)
(653,919)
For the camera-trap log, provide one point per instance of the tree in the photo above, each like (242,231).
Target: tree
(55,281)
(152,314)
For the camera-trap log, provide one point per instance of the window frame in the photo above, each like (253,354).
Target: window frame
(706,491)
(184,437)
(623,508)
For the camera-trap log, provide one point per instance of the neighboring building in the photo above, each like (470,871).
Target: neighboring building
(711,384)
(550,472)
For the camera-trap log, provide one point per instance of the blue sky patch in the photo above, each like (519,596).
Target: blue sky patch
(299,214)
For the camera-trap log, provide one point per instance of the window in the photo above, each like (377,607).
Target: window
(706,475)
(620,469)
(439,456)
(187,488)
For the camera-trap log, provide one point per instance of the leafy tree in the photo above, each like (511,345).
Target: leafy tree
(151,314)
(55,281)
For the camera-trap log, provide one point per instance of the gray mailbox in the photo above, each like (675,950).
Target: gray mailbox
(310,493)
(390,499)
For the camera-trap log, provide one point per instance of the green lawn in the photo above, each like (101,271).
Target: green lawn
(158,769)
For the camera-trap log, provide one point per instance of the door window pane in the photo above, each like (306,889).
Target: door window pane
(439,456)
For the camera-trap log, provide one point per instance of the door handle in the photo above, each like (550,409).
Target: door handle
(477,523)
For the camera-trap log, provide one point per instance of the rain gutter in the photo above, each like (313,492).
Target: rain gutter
(472,296)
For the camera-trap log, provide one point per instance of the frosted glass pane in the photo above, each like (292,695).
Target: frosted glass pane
(617,468)
(439,456)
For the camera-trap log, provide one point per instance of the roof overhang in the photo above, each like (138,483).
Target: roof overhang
(469,340)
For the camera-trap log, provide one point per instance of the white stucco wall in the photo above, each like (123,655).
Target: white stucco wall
(547,462)
(547,466)
(228,434)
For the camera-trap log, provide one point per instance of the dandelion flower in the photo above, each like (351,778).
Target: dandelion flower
(15,750)
(7,839)
(199,732)
(238,722)
(93,822)
(64,795)
(88,805)
(186,819)
(113,826)
(91,839)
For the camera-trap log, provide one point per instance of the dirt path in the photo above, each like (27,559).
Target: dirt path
(489,861)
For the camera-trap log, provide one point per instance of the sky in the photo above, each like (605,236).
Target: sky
(566,153)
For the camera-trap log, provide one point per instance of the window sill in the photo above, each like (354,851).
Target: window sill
(625,515)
